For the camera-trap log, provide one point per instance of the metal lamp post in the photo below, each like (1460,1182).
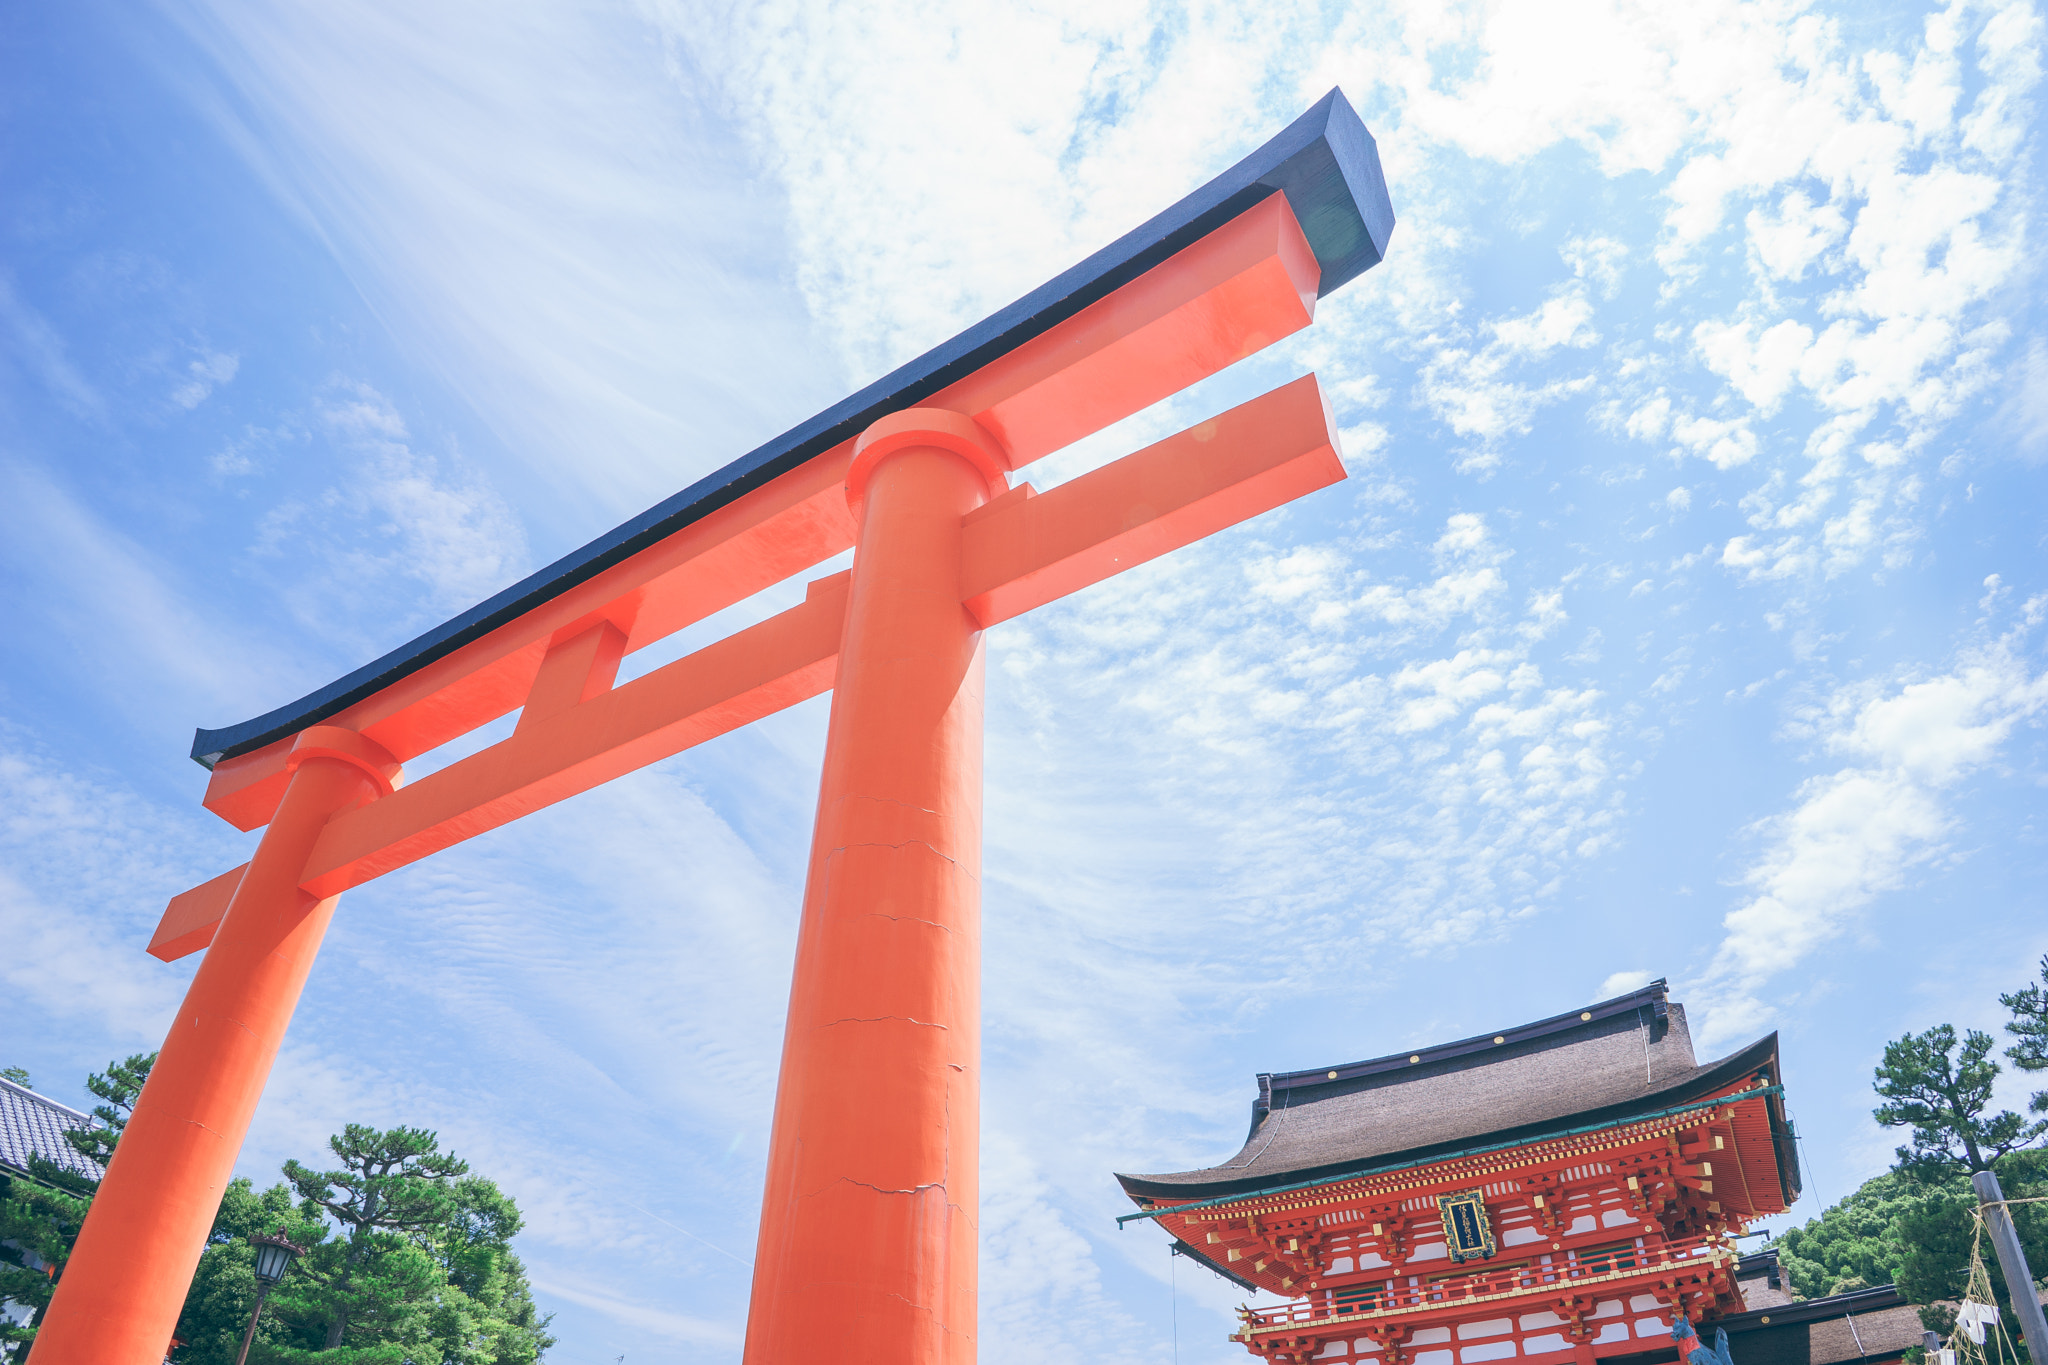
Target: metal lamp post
(274,1257)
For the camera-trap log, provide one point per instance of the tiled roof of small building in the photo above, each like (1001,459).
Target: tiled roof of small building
(34,1125)
(1629,1055)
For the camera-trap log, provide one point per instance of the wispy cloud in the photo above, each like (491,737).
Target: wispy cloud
(209,371)
(138,638)
(1865,828)
(85,866)
(554,232)
(38,349)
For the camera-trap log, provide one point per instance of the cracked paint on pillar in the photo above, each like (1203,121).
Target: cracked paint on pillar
(869,1223)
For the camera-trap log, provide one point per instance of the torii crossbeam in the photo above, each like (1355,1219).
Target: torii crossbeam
(867,1246)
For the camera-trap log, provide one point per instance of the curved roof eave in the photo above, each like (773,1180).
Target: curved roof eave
(1763,1053)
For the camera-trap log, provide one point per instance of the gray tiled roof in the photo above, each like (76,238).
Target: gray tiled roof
(32,1124)
(1629,1054)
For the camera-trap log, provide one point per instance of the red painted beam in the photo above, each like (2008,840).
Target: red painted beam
(781,529)
(1232,294)
(1023,551)
(761,670)
(1241,288)
(1018,552)
(192,916)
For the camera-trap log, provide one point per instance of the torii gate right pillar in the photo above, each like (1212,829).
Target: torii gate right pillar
(867,1250)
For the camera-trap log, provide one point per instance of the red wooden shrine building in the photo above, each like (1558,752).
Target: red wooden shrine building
(1550,1193)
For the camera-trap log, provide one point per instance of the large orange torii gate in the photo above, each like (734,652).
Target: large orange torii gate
(867,1247)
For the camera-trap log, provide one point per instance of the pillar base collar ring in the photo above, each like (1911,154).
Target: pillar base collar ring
(333,741)
(950,431)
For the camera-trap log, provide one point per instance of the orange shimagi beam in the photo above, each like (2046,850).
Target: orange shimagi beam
(1020,551)
(1229,295)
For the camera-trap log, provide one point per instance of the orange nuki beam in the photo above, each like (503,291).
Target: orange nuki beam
(1239,289)
(786,659)
(1023,551)
(1018,552)
(782,529)
(776,664)
(192,916)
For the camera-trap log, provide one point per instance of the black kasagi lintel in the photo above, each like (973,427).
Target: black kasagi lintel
(1325,162)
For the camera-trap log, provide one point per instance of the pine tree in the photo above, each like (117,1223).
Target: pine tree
(118,1089)
(421,1268)
(41,1213)
(1939,1085)
(2029,1024)
(1940,1089)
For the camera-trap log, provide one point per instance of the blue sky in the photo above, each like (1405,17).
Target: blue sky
(1683,614)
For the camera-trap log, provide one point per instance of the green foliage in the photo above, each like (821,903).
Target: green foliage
(118,1088)
(420,1268)
(1901,1229)
(40,1214)
(1856,1239)
(1938,1233)
(2029,1024)
(1939,1086)
(1915,1225)
(1940,1089)
(19,1075)
(223,1292)
(389,1184)
(409,1261)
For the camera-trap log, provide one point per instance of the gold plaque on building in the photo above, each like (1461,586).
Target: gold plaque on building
(1467,1230)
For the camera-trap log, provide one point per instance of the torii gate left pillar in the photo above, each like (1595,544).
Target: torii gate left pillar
(867,1246)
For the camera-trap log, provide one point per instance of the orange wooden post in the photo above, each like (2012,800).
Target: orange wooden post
(868,1227)
(120,1292)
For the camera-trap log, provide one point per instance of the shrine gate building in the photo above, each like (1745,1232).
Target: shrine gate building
(1551,1193)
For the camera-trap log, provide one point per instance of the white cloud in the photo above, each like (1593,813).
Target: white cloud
(1599,260)
(1725,444)
(551,229)
(1863,829)
(136,639)
(1621,983)
(664,1323)
(456,536)
(393,514)
(1763,370)
(211,369)
(1878,181)
(2025,410)
(37,347)
(85,869)
(1561,321)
